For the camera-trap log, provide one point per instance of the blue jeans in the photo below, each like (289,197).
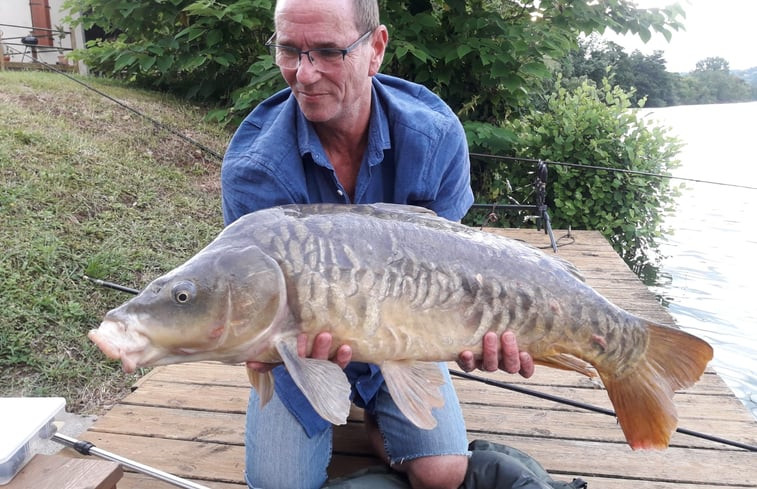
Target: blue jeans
(280,454)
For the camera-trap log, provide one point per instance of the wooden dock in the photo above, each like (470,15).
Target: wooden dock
(189,419)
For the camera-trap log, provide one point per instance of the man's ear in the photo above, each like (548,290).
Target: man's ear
(378,44)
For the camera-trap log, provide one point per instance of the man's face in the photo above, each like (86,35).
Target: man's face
(338,95)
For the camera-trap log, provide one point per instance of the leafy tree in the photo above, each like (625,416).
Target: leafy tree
(484,57)
(712,64)
(650,79)
(711,83)
(642,76)
(198,49)
(748,75)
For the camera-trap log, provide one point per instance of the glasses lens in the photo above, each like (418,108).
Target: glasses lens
(327,59)
(287,58)
(323,59)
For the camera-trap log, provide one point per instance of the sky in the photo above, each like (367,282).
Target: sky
(723,28)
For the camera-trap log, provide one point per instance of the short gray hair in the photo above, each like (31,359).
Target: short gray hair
(366,15)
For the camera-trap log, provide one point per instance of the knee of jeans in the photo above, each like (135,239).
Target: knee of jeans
(437,472)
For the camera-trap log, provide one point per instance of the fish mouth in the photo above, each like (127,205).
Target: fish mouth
(119,342)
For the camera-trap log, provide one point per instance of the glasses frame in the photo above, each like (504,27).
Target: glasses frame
(344,52)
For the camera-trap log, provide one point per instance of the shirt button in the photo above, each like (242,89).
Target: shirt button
(340,192)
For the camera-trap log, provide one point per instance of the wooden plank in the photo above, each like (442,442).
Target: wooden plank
(681,465)
(710,383)
(60,472)
(191,396)
(211,373)
(133,480)
(545,423)
(190,460)
(176,424)
(689,406)
(622,483)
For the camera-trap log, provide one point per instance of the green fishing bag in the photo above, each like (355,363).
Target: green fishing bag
(491,466)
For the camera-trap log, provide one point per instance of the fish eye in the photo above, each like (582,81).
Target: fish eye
(183,292)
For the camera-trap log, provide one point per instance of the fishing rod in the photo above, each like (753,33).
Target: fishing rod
(111,285)
(87,448)
(527,391)
(610,169)
(589,407)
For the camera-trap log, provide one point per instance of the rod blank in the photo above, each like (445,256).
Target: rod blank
(87,448)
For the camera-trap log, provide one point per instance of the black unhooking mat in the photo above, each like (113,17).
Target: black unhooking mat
(491,466)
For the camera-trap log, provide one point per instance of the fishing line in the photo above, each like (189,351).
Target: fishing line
(154,121)
(609,169)
(516,388)
(589,407)
(219,157)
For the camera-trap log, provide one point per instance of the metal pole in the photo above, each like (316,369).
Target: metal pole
(111,285)
(87,448)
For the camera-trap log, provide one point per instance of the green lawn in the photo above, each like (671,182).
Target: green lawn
(88,187)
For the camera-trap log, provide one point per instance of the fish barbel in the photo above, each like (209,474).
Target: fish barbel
(403,288)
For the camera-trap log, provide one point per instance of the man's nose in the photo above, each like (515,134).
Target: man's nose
(306,71)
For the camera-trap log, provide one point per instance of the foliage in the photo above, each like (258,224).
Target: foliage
(641,76)
(712,83)
(748,75)
(592,126)
(89,188)
(202,50)
(647,77)
(483,57)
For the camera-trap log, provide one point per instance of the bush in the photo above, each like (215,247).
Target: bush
(591,126)
(201,50)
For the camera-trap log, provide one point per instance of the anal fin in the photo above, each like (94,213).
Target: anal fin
(565,361)
(414,386)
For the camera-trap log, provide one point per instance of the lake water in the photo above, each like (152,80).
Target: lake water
(707,278)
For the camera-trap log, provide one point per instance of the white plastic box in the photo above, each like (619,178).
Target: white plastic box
(24,422)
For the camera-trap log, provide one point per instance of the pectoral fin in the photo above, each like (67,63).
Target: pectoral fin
(414,386)
(322,382)
(263,384)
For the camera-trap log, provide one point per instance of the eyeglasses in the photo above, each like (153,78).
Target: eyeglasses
(324,59)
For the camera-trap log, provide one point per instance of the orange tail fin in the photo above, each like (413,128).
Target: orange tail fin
(643,400)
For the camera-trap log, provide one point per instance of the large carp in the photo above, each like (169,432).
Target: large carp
(402,287)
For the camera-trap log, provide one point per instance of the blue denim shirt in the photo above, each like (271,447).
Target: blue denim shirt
(416,154)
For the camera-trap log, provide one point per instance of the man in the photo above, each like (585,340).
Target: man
(344,133)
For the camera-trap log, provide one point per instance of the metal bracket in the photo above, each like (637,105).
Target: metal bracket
(540,208)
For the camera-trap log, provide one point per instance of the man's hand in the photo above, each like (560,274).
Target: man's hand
(499,353)
(321,349)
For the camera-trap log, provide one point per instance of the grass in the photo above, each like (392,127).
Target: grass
(88,187)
